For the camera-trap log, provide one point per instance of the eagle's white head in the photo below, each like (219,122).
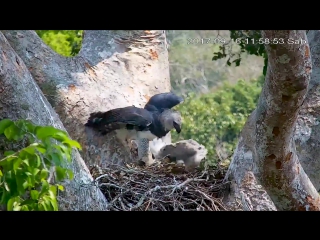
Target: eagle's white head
(171,119)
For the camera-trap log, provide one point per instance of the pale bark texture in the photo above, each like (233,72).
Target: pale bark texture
(307,132)
(21,98)
(266,152)
(114,68)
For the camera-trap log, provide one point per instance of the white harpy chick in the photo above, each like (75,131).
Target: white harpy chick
(188,152)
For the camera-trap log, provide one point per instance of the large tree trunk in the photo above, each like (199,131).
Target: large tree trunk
(266,152)
(113,69)
(307,132)
(20,98)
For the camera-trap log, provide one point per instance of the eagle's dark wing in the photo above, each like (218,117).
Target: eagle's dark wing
(129,117)
(162,101)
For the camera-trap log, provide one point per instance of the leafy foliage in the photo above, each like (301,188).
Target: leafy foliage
(248,40)
(64,42)
(25,175)
(216,119)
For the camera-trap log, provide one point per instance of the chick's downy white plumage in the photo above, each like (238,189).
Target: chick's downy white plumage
(190,152)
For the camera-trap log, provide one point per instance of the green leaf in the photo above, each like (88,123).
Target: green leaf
(16,164)
(48,131)
(8,153)
(41,149)
(5,123)
(54,205)
(47,204)
(20,181)
(26,162)
(45,187)
(70,173)
(65,150)
(16,206)
(34,194)
(44,174)
(27,202)
(41,207)
(53,191)
(60,172)
(10,204)
(60,187)
(61,136)
(38,160)
(9,159)
(1,174)
(12,132)
(29,126)
(30,149)
(35,171)
(72,143)
(56,158)
(61,155)
(25,184)
(24,208)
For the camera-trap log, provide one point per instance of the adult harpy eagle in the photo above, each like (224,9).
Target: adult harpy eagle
(142,125)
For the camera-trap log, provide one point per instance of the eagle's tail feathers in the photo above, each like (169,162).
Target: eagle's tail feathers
(95,119)
(97,122)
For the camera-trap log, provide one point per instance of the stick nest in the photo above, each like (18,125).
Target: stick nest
(160,187)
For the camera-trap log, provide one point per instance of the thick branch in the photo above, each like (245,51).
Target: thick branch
(21,99)
(267,146)
(307,133)
(245,189)
(286,84)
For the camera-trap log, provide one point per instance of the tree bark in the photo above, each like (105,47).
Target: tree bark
(266,152)
(114,68)
(307,131)
(20,98)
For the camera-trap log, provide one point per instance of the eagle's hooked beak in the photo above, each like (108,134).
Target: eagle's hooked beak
(177,127)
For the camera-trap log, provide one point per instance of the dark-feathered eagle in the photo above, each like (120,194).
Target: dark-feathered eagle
(142,125)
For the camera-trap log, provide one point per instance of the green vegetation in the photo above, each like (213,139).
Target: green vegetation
(215,119)
(64,42)
(25,174)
